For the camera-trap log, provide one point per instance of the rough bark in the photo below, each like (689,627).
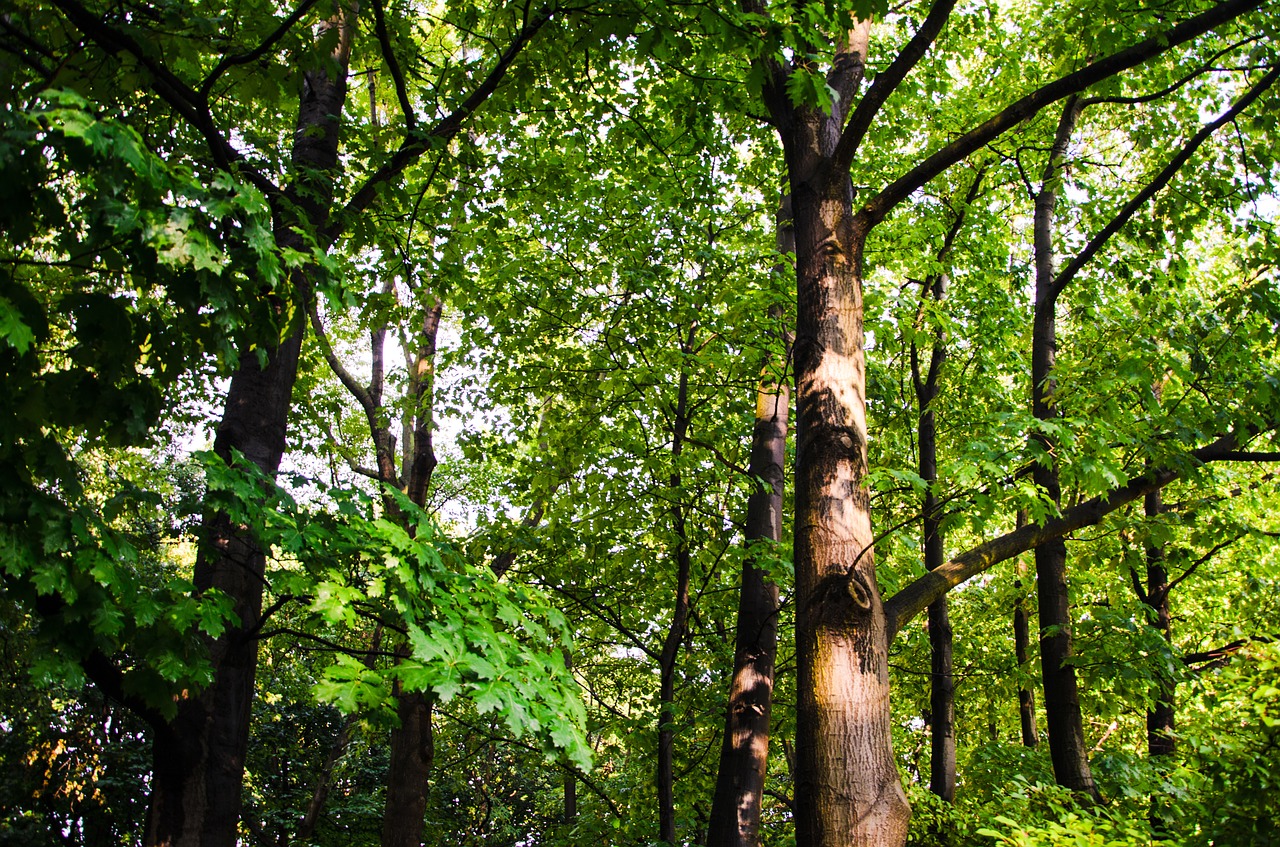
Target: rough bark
(744,754)
(412,751)
(199,758)
(1063,718)
(847,789)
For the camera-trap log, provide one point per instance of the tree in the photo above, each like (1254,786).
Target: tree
(843,628)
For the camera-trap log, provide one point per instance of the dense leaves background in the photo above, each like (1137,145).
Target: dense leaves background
(600,242)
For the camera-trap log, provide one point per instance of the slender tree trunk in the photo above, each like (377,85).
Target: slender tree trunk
(942,762)
(570,781)
(1160,717)
(1022,652)
(744,755)
(671,644)
(412,742)
(1061,694)
(199,758)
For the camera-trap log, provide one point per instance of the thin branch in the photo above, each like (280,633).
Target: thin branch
(1169,89)
(887,81)
(358,391)
(186,101)
(228,62)
(1162,179)
(577,772)
(1026,107)
(720,457)
(1219,656)
(397,75)
(415,144)
(1200,561)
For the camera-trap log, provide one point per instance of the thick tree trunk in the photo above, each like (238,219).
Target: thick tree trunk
(199,760)
(744,754)
(1061,694)
(847,789)
(412,754)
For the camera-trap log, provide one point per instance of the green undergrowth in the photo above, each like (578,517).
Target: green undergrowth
(1220,789)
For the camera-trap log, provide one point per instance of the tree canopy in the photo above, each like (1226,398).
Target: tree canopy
(549,423)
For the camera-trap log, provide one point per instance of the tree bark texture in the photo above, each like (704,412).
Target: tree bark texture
(412,753)
(1063,719)
(744,755)
(199,758)
(847,788)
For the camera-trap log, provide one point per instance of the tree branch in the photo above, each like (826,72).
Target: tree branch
(1218,657)
(917,596)
(1200,561)
(1169,89)
(1162,179)
(188,103)
(1026,107)
(397,75)
(358,391)
(887,82)
(229,62)
(415,144)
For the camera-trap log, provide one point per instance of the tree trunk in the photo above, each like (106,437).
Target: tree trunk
(1160,718)
(1061,695)
(847,789)
(744,755)
(412,742)
(1022,653)
(671,644)
(942,761)
(412,753)
(199,759)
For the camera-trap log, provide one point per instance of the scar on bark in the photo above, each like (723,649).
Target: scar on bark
(842,596)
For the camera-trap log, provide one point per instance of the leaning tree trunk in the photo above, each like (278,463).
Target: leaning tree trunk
(198,759)
(744,755)
(1063,719)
